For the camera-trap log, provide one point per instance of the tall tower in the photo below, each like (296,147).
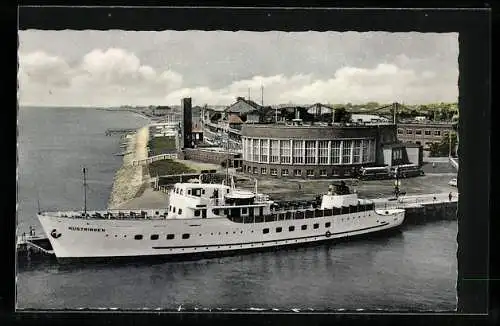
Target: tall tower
(186,124)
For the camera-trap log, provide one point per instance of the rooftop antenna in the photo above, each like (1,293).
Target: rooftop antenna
(262,94)
(227,155)
(84,170)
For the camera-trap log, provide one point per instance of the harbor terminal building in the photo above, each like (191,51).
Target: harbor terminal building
(322,151)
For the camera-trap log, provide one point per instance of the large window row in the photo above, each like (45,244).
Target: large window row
(303,214)
(310,152)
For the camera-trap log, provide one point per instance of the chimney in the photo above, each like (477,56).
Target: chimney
(333,115)
(297,113)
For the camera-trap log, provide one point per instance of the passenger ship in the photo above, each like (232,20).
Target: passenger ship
(206,220)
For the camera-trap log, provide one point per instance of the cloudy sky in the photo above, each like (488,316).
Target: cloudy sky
(109,68)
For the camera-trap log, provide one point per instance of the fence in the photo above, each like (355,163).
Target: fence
(155,158)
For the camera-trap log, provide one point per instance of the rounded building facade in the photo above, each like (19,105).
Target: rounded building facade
(308,151)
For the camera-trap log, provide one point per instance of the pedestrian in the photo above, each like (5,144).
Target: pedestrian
(450,196)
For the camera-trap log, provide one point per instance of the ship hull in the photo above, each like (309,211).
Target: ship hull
(194,256)
(128,240)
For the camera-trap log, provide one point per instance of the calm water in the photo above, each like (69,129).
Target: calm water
(415,269)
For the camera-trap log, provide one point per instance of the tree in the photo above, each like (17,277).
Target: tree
(372,105)
(442,148)
(342,116)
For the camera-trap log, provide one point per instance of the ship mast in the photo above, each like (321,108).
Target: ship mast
(85,192)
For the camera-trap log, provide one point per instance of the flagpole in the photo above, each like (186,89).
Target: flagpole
(84,192)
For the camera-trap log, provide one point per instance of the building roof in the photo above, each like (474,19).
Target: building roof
(234,119)
(367,117)
(243,105)
(394,145)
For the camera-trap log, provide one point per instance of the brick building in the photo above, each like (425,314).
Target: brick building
(423,133)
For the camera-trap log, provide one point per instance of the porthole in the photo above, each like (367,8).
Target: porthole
(154,237)
(170,236)
(138,237)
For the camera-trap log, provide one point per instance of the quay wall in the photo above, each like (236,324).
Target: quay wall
(131,179)
(431,212)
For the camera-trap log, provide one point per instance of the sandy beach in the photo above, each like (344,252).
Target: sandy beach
(129,178)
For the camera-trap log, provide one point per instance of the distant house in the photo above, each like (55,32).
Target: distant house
(250,112)
(234,121)
(242,107)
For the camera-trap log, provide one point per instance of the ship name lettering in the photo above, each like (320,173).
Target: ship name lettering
(77,228)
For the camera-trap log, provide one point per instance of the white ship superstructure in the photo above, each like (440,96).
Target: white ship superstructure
(206,219)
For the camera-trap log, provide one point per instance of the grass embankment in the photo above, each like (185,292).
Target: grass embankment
(165,167)
(161,145)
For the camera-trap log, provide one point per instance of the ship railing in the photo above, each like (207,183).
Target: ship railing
(114,214)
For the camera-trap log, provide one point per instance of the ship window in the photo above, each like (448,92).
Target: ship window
(197,212)
(170,207)
(216,211)
(185,236)
(189,191)
(170,236)
(327,224)
(227,190)
(157,212)
(291,228)
(154,236)
(304,227)
(278,229)
(138,237)
(243,211)
(316,225)
(265,231)
(173,209)
(180,211)
(202,191)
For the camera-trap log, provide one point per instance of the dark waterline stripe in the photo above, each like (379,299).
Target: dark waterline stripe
(266,241)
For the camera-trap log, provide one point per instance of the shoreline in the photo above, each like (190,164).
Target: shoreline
(129,181)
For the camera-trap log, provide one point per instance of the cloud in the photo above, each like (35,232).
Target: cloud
(115,76)
(102,77)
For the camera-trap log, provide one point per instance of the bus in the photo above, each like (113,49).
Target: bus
(406,171)
(374,173)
